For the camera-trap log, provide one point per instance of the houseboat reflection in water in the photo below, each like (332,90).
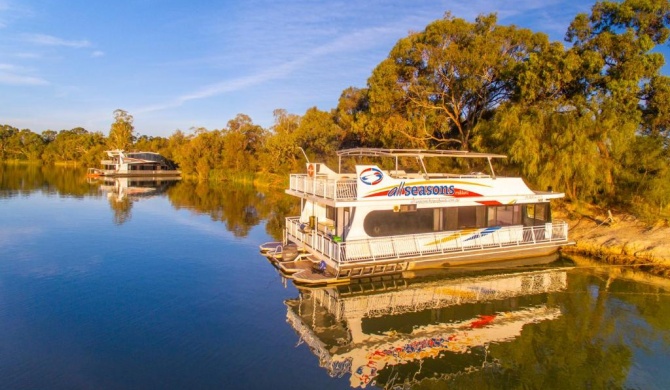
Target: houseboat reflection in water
(399,331)
(123,191)
(135,188)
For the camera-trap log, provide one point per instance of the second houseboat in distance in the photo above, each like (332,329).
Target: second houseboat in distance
(121,164)
(384,219)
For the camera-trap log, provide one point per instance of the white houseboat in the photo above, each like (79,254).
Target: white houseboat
(122,163)
(383,219)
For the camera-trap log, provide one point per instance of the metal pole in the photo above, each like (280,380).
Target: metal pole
(493,174)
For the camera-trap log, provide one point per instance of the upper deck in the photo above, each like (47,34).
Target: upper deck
(370,182)
(343,187)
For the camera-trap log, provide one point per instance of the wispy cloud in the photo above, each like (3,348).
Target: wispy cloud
(357,40)
(3,8)
(98,53)
(14,75)
(49,40)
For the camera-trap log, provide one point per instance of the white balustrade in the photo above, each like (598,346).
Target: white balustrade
(418,245)
(336,189)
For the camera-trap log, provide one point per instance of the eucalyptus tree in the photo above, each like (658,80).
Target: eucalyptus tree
(174,146)
(121,134)
(616,43)
(650,162)
(28,145)
(581,118)
(281,153)
(541,129)
(318,134)
(243,142)
(49,136)
(152,143)
(198,153)
(6,134)
(351,116)
(76,145)
(438,85)
(20,144)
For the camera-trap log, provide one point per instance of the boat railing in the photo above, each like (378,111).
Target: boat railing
(322,186)
(315,239)
(419,245)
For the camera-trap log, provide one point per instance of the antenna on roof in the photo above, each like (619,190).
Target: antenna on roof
(304,154)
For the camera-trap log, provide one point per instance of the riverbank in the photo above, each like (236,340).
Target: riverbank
(618,238)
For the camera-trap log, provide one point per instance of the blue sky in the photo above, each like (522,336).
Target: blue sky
(182,65)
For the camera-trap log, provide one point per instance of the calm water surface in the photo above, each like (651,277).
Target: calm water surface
(160,285)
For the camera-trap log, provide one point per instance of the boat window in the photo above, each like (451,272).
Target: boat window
(455,218)
(471,216)
(536,214)
(450,219)
(542,212)
(384,223)
(504,215)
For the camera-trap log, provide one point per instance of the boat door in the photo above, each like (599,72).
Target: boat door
(343,221)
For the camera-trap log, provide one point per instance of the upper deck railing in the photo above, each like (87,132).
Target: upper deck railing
(344,187)
(335,189)
(414,245)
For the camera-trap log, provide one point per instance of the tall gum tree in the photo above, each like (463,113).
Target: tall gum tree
(616,43)
(437,86)
(281,154)
(319,135)
(580,117)
(122,131)
(243,141)
(351,114)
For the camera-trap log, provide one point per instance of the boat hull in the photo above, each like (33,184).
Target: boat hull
(304,270)
(485,256)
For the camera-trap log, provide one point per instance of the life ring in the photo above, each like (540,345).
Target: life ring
(310,170)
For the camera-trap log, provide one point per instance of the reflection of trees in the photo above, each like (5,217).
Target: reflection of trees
(28,178)
(280,206)
(240,207)
(582,349)
(121,208)
(638,300)
(604,318)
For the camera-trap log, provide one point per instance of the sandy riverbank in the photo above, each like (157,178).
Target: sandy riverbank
(617,238)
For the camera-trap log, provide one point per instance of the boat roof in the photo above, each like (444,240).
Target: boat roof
(378,152)
(121,151)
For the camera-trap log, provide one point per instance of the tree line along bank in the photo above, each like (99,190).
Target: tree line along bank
(589,118)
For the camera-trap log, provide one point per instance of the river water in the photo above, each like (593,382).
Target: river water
(118,285)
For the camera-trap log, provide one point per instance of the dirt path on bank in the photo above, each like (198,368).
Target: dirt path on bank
(617,238)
